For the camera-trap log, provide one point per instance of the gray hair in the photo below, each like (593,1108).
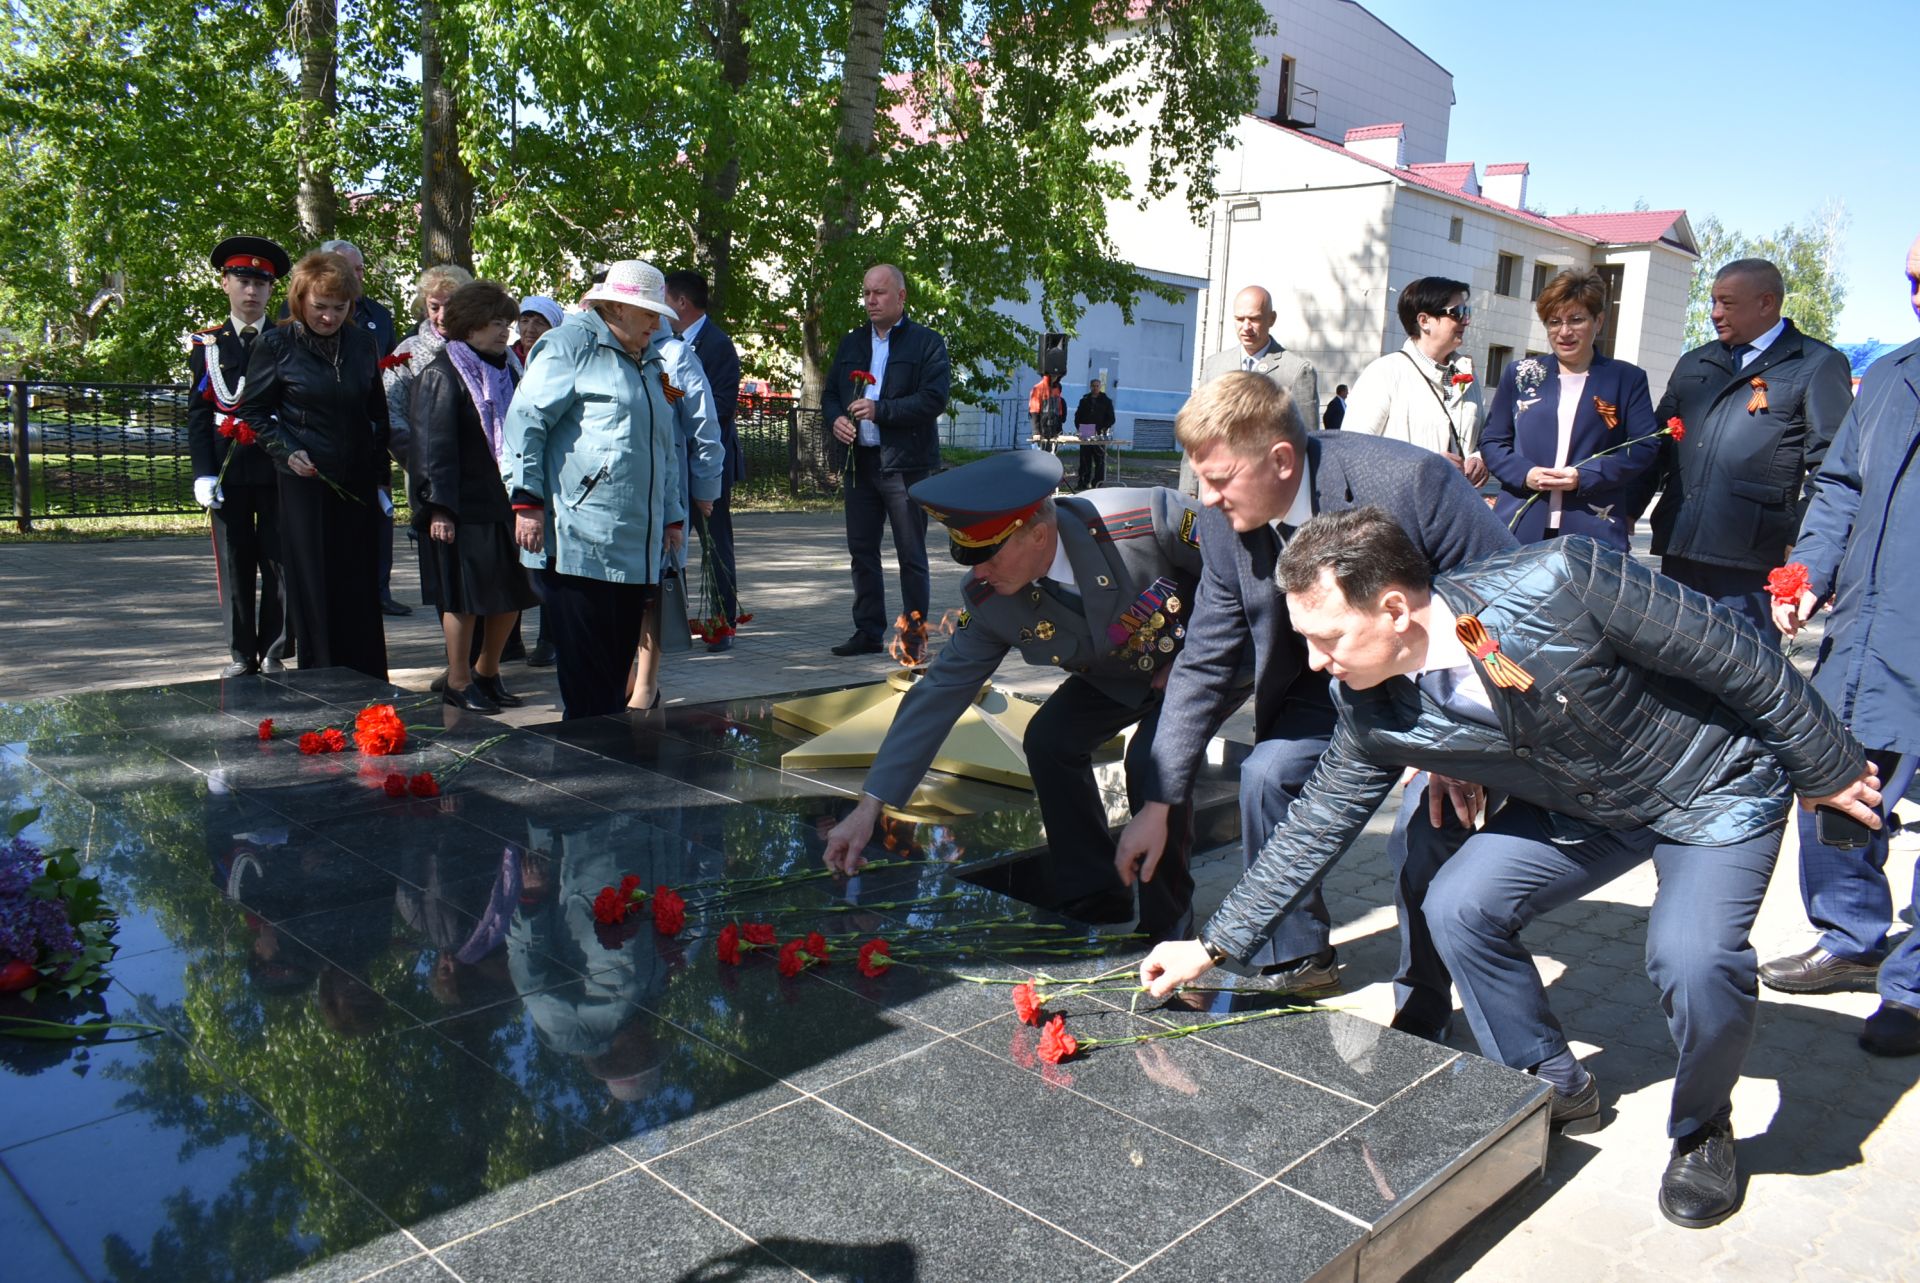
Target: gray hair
(1759,271)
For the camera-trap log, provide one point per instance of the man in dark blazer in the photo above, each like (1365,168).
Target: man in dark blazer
(1261,477)
(1627,718)
(245,501)
(1336,411)
(1760,408)
(883,400)
(1856,544)
(687,292)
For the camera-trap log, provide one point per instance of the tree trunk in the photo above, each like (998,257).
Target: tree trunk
(312,26)
(728,21)
(859,100)
(446,185)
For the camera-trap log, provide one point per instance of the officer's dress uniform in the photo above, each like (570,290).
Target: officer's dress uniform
(246,536)
(1112,614)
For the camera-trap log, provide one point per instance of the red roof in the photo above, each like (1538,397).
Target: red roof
(1451,174)
(1624,229)
(1618,229)
(1376,131)
(1497,171)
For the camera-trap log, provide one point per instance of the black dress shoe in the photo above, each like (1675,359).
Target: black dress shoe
(388,606)
(1420,1028)
(1578,1112)
(439,683)
(469,698)
(1894,1030)
(272,665)
(1816,970)
(494,690)
(1317,974)
(1702,1183)
(541,656)
(859,644)
(238,668)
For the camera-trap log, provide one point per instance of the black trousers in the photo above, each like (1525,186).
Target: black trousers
(246,539)
(1076,719)
(330,557)
(1093,465)
(596,633)
(876,499)
(716,530)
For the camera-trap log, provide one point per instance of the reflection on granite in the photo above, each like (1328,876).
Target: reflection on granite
(1274,1236)
(383,1015)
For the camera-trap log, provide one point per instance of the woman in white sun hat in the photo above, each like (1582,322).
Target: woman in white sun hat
(590,463)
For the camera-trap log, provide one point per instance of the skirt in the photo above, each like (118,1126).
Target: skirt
(479,573)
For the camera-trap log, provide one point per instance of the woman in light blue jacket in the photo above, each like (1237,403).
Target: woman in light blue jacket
(589,458)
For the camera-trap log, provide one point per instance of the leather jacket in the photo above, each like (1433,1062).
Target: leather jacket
(450,465)
(1651,706)
(301,396)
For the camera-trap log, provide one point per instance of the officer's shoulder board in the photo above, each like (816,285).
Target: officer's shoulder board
(977,591)
(1134,523)
(208,336)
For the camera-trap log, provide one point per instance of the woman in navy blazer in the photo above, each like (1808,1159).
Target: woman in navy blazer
(1548,489)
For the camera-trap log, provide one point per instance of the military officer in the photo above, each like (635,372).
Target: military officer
(233,479)
(1100,585)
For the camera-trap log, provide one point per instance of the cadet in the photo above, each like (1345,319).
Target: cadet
(245,500)
(1100,585)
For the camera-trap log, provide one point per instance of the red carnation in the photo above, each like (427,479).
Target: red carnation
(729,945)
(746,618)
(760,933)
(424,785)
(1787,582)
(17,975)
(792,961)
(862,379)
(875,958)
(378,731)
(266,728)
(1676,429)
(628,885)
(395,785)
(1056,1044)
(1462,379)
(334,740)
(1026,1003)
(817,947)
(397,359)
(669,911)
(311,743)
(608,907)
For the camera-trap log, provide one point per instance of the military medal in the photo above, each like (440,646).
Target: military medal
(1044,630)
(1146,663)
(1165,644)
(1173,605)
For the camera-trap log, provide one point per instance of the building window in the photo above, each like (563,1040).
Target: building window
(1453,230)
(1506,276)
(1615,278)
(1285,113)
(1542,273)
(1498,359)
(1163,341)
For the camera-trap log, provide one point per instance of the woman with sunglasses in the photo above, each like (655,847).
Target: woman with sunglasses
(1426,393)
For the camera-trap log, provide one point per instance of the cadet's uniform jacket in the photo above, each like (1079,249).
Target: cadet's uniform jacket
(1120,543)
(204,442)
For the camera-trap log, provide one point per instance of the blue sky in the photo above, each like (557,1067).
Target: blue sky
(1757,112)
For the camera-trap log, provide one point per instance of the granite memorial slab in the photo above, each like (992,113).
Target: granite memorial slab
(385,1036)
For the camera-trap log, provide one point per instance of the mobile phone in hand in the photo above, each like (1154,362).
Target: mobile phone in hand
(1835,828)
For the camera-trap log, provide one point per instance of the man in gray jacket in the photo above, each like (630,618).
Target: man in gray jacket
(1627,719)
(1260,353)
(1100,585)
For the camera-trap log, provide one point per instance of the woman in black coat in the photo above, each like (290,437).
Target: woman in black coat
(314,397)
(469,564)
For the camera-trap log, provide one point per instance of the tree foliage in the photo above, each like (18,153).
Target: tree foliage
(720,133)
(1807,254)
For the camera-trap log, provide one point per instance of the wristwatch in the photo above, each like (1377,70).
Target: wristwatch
(1214,951)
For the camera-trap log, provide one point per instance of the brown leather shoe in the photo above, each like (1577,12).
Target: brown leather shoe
(1817,971)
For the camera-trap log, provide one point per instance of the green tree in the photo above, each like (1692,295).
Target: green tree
(1807,254)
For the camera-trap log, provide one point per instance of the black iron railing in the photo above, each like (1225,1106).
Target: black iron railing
(86,450)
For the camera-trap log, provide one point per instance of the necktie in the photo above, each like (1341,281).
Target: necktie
(1739,354)
(1067,596)
(247,334)
(1442,687)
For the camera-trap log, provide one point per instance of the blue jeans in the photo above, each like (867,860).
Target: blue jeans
(1698,952)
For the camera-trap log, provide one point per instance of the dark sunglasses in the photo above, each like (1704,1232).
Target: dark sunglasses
(1459,312)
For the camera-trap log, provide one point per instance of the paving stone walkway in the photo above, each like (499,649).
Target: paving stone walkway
(1830,1136)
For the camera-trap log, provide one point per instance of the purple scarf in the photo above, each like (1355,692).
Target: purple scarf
(490,386)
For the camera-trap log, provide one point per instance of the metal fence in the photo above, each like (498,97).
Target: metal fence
(85,450)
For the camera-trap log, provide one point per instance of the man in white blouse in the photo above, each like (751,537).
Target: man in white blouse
(1426,393)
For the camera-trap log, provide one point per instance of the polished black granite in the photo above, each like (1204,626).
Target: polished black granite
(388,1038)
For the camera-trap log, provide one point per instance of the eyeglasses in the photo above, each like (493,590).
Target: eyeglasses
(1459,312)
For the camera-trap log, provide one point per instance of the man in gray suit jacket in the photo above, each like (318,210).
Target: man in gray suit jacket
(1261,477)
(1100,585)
(1260,353)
